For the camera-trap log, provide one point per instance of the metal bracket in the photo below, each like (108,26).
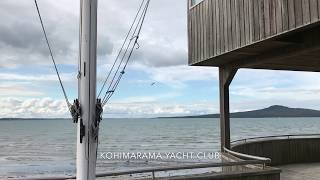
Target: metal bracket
(99,111)
(98,119)
(75,111)
(82,130)
(95,132)
(79,75)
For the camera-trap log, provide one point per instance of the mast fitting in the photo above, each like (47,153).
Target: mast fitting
(75,111)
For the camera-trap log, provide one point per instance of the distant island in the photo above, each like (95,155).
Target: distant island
(272,111)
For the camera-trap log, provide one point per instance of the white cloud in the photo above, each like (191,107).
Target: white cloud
(162,56)
(254,89)
(266,84)
(148,99)
(49,108)
(178,76)
(273,92)
(40,77)
(30,108)
(157,109)
(29,86)
(18,91)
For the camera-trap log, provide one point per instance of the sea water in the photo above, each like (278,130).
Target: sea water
(47,147)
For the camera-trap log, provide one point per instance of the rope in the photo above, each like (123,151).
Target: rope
(52,57)
(123,44)
(135,37)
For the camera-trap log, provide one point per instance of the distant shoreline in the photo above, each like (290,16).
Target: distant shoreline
(275,111)
(26,119)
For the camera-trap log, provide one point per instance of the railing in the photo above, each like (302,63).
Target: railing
(251,160)
(163,169)
(262,160)
(288,136)
(282,149)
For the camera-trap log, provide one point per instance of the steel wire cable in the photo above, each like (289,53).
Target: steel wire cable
(122,46)
(109,93)
(52,56)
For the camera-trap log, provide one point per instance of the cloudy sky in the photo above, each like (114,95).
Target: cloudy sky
(29,87)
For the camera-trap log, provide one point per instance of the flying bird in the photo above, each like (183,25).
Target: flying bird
(152,84)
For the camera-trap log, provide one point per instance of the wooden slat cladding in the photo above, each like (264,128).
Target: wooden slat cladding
(283,151)
(217,27)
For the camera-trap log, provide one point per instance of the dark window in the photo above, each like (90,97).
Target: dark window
(194,2)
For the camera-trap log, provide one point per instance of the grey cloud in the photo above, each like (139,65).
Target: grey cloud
(22,41)
(105,46)
(159,56)
(21,38)
(163,39)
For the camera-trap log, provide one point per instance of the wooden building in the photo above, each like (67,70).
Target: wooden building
(257,34)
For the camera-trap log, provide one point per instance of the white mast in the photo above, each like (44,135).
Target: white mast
(87,141)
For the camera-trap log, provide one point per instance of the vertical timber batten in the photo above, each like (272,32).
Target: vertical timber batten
(86,143)
(226,76)
(236,24)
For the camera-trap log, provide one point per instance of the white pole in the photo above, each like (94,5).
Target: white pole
(86,142)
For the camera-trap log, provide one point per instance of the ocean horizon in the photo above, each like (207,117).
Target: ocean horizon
(47,148)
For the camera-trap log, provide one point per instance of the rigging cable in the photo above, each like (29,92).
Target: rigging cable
(52,57)
(112,87)
(135,37)
(121,49)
